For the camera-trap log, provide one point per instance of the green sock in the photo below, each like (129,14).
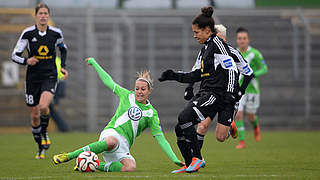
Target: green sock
(113,167)
(255,122)
(96,147)
(101,166)
(240,126)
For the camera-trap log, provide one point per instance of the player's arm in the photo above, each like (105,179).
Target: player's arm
(183,77)
(106,78)
(263,68)
(63,54)
(63,49)
(165,146)
(18,50)
(155,128)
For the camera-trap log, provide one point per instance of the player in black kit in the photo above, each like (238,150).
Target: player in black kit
(41,41)
(218,73)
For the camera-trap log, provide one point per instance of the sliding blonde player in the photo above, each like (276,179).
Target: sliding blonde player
(133,115)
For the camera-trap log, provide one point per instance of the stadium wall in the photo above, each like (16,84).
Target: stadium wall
(126,41)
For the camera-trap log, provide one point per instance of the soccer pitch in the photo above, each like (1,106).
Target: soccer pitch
(280,155)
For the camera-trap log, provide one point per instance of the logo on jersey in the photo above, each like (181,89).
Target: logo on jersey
(34,39)
(246,69)
(227,63)
(135,113)
(43,50)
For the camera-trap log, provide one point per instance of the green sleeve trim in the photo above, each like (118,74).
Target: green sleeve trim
(104,76)
(165,146)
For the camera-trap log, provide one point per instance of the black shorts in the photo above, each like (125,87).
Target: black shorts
(33,90)
(207,104)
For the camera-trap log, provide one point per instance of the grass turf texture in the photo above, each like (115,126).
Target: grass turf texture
(280,155)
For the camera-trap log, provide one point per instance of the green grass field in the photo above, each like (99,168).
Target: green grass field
(280,155)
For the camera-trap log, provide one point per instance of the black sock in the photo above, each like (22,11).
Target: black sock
(185,150)
(36,135)
(183,145)
(44,123)
(191,134)
(200,140)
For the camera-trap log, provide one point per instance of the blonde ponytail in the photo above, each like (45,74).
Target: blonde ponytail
(145,76)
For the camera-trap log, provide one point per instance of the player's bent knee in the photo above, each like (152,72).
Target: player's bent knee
(251,117)
(239,116)
(43,108)
(34,112)
(112,143)
(220,138)
(129,168)
(185,116)
(128,165)
(202,129)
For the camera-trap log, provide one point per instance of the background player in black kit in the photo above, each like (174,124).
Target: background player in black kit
(218,74)
(41,41)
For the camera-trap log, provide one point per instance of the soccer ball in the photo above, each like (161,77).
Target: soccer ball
(87,162)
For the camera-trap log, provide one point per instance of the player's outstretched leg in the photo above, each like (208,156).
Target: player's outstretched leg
(45,140)
(96,147)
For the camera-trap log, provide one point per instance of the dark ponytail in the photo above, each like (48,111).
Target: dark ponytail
(205,19)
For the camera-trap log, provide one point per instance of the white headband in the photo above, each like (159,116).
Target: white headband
(146,80)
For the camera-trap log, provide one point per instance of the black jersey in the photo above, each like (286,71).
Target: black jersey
(42,46)
(215,68)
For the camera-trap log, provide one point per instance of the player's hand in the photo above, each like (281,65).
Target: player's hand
(90,61)
(65,72)
(180,163)
(32,61)
(188,93)
(168,75)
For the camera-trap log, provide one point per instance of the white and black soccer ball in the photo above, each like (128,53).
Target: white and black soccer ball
(87,162)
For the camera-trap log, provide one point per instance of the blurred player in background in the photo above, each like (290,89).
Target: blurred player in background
(243,68)
(217,71)
(251,100)
(41,41)
(133,115)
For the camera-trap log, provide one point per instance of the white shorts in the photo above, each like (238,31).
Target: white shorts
(119,153)
(251,102)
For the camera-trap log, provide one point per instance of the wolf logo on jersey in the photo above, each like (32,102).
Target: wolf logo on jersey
(135,113)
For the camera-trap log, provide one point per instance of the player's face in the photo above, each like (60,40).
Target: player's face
(42,16)
(243,40)
(142,91)
(201,34)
